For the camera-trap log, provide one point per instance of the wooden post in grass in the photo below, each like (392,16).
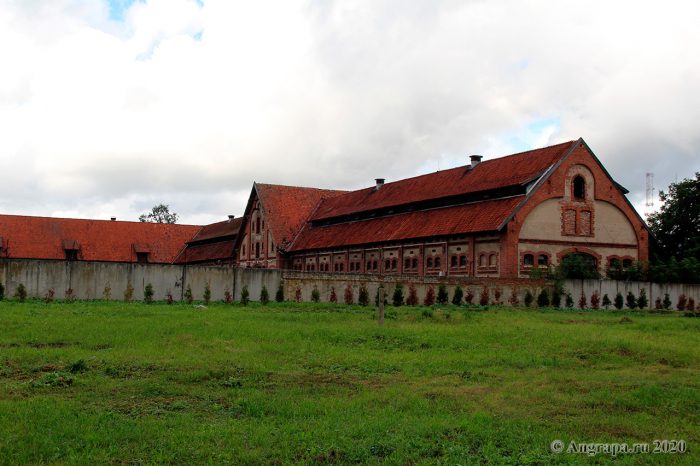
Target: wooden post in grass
(381,305)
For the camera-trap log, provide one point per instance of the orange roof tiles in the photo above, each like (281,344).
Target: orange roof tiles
(491,174)
(288,207)
(219,229)
(470,218)
(96,240)
(206,252)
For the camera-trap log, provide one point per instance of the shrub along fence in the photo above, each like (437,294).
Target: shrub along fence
(91,280)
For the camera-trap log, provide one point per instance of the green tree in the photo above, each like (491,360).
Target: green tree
(642,301)
(619,300)
(264,296)
(442,296)
(2,291)
(207,294)
(667,301)
(279,296)
(528,298)
(606,301)
(363,295)
(245,295)
(631,301)
(148,293)
(676,226)
(315,295)
(556,296)
(129,292)
(159,214)
(189,297)
(569,300)
(458,295)
(543,298)
(397,299)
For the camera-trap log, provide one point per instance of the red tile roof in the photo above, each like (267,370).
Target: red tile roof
(288,207)
(491,174)
(470,218)
(97,240)
(206,252)
(219,229)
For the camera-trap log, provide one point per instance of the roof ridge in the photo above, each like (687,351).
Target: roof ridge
(300,187)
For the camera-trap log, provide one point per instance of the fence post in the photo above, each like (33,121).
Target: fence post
(381,305)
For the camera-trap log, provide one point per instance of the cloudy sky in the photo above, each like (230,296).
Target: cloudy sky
(108,107)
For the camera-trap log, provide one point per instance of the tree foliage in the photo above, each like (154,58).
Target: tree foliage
(159,214)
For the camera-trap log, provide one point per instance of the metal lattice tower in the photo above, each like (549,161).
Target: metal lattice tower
(650,191)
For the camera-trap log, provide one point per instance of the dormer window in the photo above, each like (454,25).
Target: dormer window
(579,188)
(71,248)
(142,250)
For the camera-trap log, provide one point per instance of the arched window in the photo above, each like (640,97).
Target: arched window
(453,262)
(375,265)
(352,266)
(579,187)
(415,264)
(429,263)
(257,250)
(588,260)
(342,267)
(335,267)
(257,225)
(463,261)
(482,260)
(313,267)
(528,259)
(358,267)
(407,265)
(492,260)
(438,263)
(244,249)
(626,263)
(387,264)
(369,265)
(308,267)
(393,264)
(615,262)
(542,259)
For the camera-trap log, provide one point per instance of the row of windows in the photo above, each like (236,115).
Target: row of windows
(458,261)
(529,259)
(488,260)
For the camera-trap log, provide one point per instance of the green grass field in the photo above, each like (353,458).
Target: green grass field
(115,383)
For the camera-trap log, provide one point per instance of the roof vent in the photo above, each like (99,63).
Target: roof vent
(114,219)
(476,159)
(231,217)
(380,183)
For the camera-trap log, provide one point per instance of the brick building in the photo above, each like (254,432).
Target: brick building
(497,218)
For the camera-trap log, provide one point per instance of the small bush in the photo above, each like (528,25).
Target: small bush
(297,295)
(631,301)
(556,296)
(227,296)
(148,293)
(457,297)
(691,304)
(397,299)
(619,300)
(189,297)
(484,296)
(245,295)
(428,313)
(128,293)
(497,297)
(469,296)
(207,294)
(514,300)
(569,300)
(528,298)
(667,301)
(412,299)
(315,295)
(21,293)
(429,299)
(279,296)
(582,301)
(2,291)
(334,297)
(642,301)
(107,292)
(70,295)
(595,300)
(682,302)
(48,298)
(349,295)
(362,294)
(658,304)
(442,296)
(265,296)
(543,298)
(606,301)
(168,296)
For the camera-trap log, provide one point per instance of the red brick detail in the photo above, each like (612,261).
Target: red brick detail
(569,222)
(573,243)
(585,227)
(489,261)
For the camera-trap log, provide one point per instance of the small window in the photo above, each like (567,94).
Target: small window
(375,265)
(492,260)
(430,263)
(313,267)
(542,259)
(407,266)
(453,262)
(342,267)
(257,225)
(482,260)
(352,266)
(626,263)
(579,188)
(393,264)
(335,267)
(72,255)
(528,259)
(615,262)
(141,257)
(257,250)
(463,261)
(415,264)
(369,265)
(438,263)
(308,267)
(387,264)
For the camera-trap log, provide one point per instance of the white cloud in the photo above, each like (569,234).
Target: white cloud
(188,104)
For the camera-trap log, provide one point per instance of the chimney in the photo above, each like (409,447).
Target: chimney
(114,219)
(230,217)
(380,183)
(476,159)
